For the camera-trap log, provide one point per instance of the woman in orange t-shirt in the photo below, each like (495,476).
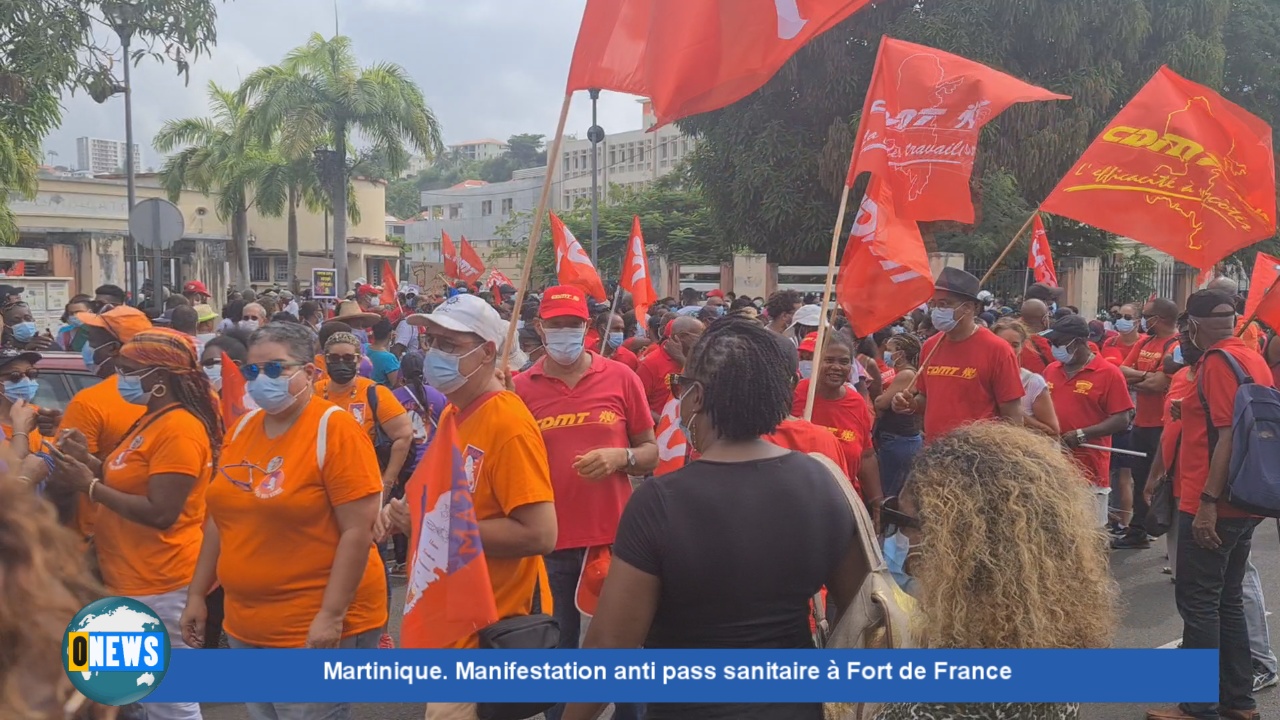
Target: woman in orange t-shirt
(151,494)
(17,415)
(291,515)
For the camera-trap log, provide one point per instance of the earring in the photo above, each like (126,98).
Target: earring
(159,391)
(688,426)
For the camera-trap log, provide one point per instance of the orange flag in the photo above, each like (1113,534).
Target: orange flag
(449,595)
(390,288)
(692,57)
(920,126)
(1179,169)
(231,396)
(1263,303)
(573,267)
(885,270)
(672,447)
(450,254)
(1040,259)
(470,266)
(635,272)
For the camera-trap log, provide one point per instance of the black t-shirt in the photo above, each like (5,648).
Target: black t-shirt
(740,548)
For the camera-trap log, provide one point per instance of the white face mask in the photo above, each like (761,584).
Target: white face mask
(806,369)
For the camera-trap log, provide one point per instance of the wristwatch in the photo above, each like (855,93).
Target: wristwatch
(1207,498)
(631,458)
(1080,436)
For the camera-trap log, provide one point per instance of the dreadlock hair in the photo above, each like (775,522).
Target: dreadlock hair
(188,385)
(744,375)
(909,345)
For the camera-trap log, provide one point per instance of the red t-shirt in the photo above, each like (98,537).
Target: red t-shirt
(1218,383)
(655,373)
(847,419)
(626,357)
(1037,354)
(1180,388)
(604,410)
(1094,394)
(806,437)
(1115,351)
(1147,355)
(967,381)
(887,374)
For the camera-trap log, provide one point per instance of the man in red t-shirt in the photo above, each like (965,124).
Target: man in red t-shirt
(1214,538)
(1116,348)
(1144,371)
(1036,353)
(1092,401)
(656,369)
(597,428)
(973,375)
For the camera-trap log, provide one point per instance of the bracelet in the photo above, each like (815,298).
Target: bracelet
(92,484)
(25,479)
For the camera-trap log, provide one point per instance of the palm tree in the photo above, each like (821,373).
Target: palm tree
(320,91)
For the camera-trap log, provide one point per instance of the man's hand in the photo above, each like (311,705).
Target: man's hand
(325,631)
(903,404)
(48,420)
(1071,439)
(1204,529)
(394,518)
(1175,408)
(41,342)
(600,463)
(72,442)
(22,416)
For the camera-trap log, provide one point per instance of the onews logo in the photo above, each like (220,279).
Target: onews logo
(116,651)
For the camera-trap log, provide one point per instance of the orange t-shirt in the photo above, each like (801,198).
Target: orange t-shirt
(506,465)
(278,529)
(104,418)
(33,438)
(138,559)
(356,402)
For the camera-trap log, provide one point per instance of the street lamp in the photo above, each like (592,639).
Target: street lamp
(122,16)
(596,135)
(326,164)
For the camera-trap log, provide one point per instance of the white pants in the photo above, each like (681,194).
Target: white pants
(169,607)
(1101,501)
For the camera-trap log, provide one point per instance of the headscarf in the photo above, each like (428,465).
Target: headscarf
(164,348)
(342,338)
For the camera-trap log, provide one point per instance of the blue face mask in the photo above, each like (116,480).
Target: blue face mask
(564,345)
(806,369)
(896,550)
(1124,325)
(1177,354)
(680,422)
(88,353)
(1062,353)
(615,340)
(130,387)
(888,358)
(24,389)
(1146,327)
(24,331)
(271,394)
(440,369)
(943,319)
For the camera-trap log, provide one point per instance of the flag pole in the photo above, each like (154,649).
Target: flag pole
(604,337)
(535,233)
(1254,315)
(826,296)
(1007,248)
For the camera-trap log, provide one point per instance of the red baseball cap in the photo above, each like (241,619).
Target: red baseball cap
(563,301)
(717,293)
(367,290)
(195,286)
(809,343)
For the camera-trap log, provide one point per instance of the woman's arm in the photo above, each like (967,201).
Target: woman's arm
(400,430)
(884,401)
(1043,417)
(206,574)
(355,538)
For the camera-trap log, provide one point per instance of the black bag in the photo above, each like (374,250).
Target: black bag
(1161,511)
(535,631)
(382,442)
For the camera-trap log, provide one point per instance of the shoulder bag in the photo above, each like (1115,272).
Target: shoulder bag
(535,631)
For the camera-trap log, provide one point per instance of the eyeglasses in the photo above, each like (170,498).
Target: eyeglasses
(447,346)
(273,369)
(211,362)
(247,318)
(892,519)
(16,376)
(341,359)
(681,383)
(252,474)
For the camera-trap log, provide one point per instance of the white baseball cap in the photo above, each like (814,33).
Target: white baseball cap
(807,316)
(470,314)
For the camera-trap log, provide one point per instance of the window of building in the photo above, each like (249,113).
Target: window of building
(437,212)
(684,147)
(507,206)
(374,270)
(455,212)
(613,157)
(662,151)
(486,208)
(282,269)
(260,269)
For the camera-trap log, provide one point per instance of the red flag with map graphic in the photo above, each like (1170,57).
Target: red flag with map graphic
(920,125)
(1180,169)
(449,596)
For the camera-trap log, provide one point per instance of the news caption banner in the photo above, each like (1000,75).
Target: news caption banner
(411,676)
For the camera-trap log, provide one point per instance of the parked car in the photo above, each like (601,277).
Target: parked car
(62,375)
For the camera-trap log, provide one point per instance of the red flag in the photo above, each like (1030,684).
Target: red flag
(450,254)
(231,397)
(692,57)
(497,279)
(470,266)
(672,447)
(920,126)
(885,270)
(573,267)
(635,272)
(390,288)
(18,269)
(449,595)
(1179,169)
(1264,299)
(1040,259)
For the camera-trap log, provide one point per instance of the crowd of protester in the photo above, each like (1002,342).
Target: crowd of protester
(669,450)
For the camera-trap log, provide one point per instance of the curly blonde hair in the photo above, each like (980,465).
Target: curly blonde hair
(1011,557)
(44,582)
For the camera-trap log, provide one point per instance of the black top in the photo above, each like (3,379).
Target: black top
(740,548)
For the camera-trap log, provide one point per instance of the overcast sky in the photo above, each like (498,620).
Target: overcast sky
(488,68)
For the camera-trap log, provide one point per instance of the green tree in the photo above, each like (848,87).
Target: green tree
(282,185)
(319,90)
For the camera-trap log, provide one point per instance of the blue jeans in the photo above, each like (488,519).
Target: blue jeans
(564,567)
(1210,597)
(895,453)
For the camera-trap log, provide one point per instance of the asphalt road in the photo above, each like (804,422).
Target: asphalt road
(1149,620)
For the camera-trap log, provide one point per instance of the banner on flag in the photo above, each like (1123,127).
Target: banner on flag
(920,126)
(449,595)
(884,273)
(497,279)
(1180,169)
(1263,303)
(693,57)
(635,272)
(573,266)
(1040,259)
(470,266)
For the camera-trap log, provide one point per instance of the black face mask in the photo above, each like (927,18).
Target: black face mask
(342,373)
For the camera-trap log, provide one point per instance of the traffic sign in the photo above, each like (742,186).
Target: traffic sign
(156,224)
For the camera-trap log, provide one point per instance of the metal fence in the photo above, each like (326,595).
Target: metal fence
(1129,281)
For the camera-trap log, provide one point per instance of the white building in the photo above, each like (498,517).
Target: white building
(476,209)
(627,159)
(103,157)
(479,150)
(417,164)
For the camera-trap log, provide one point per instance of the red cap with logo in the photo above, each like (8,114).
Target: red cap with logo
(563,301)
(195,286)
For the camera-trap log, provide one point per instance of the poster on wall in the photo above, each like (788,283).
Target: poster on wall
(324,283)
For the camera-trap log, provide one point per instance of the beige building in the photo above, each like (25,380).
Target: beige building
(629,159)
(479,150)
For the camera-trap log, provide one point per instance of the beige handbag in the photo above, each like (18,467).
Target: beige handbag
(879,616)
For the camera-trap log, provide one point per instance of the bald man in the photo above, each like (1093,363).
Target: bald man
(1252,334)
(656,369)
(1037,353)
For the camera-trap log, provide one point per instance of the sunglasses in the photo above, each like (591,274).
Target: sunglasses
(893,519)
(273,369)
(341,359)
(16,376)
(681,383)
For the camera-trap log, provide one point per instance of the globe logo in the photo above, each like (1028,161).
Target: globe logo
(116,651)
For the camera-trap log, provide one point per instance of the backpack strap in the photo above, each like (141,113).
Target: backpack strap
(244,421)
(322,436)
(1242,378)
(1043,359)
(371,396)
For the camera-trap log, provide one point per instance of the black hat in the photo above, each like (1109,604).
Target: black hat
(1071,327)
(1202,303)
(1046,293)
(958,282)
(9,355)
(7,290)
